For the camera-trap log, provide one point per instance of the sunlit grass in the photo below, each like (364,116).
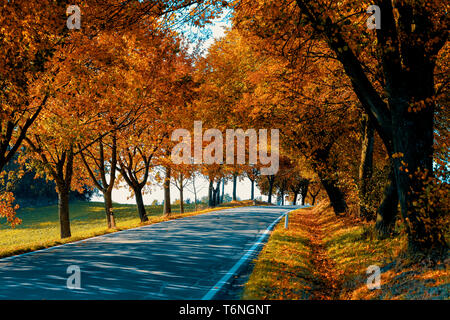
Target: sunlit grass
(283,270)
(354,249)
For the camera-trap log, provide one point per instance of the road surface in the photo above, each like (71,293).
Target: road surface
(188,258)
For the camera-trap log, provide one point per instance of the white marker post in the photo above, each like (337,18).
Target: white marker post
(286,220)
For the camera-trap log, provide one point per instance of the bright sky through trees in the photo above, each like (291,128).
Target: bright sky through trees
(216,30)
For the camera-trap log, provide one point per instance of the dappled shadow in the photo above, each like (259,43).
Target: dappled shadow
(177,259)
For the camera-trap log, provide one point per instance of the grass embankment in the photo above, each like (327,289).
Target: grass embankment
(321,256)
(40,226)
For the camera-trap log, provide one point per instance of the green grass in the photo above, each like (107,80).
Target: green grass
(40,226)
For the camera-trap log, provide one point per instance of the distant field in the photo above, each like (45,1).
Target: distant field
(40,226)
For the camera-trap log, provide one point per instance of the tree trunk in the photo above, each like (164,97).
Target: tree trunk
(223,190)
(252,192)
(195,193)
(366,168)
(387,211)
(335,194)
(294,201)
(167,206)
(313,201)
(110,220)
(413,142)
(271,182)
(217,193)
(329,179)
(140,205)
(211,199)
(304,191)
(234,187)
(63,179)
(181,199)
(63,211)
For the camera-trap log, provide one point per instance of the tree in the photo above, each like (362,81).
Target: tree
(400,100)
(195,188)
(25,61)
(366,166)
(252,172)
(181,180)
(314,191)
(102,183)
(68,124)
(166,185)
(115,92)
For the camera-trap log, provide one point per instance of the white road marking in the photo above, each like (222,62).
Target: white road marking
(219,285)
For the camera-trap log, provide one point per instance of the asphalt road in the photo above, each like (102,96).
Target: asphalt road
(188,258)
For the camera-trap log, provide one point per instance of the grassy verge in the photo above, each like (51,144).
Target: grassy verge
(40,226)
(283,269)
(290,266)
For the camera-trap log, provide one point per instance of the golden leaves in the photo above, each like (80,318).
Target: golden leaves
(8,209)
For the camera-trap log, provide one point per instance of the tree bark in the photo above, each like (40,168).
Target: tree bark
(294,201)
(334,193)
(140,205)
(63,180)
(271,180)
(110,220)
(211,199)
(223,190)
(313,201)
(252,191)
(366,167)
(234,187)
(63,211)
(167,206)
(217,193)
(195,192)
(181,199)
(387,211)
(413,142)
(329,179)
(304,191)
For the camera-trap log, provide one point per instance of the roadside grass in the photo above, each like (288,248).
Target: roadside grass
(403,277)
(284,269)
(40,226)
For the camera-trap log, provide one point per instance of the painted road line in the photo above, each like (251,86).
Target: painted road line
(219,285)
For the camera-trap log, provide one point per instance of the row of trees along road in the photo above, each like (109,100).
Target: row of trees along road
(361,112)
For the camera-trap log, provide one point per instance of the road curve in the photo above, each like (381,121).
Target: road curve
(178,259)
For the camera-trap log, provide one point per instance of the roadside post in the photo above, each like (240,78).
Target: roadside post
(286,220)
